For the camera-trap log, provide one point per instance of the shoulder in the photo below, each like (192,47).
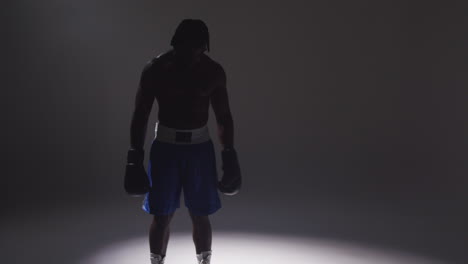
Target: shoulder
(151,68)
(158,62)
(215,68)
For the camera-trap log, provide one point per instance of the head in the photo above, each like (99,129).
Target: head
(191,39)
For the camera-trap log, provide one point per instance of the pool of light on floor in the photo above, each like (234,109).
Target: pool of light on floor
(253,248)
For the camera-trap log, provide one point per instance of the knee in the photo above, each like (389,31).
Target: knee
(199,218)
(162,221)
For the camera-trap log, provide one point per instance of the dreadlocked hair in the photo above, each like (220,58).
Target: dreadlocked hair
(192,31)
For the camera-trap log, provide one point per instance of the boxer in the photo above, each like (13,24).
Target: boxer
(185,82)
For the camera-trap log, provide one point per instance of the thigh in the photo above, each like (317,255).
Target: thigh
(200,180)
(165,167)
(164,172)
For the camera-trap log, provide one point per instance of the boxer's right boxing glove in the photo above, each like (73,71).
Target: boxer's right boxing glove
(136,182)
(231,180)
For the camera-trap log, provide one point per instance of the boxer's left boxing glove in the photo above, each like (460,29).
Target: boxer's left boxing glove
(136,182)
(231,180)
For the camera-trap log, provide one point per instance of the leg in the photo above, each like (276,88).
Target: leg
(201,232)
(159,234)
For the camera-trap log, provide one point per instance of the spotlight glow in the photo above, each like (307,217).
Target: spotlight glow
(251,248)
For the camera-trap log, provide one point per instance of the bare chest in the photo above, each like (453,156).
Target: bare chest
(185,82)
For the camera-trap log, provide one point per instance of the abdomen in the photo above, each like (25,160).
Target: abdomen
(183,112)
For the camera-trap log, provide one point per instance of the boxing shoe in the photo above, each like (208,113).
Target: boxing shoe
(204,257)
(157,259)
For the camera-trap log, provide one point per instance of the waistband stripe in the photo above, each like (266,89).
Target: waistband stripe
(181,136)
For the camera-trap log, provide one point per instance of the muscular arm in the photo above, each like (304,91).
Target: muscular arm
(143,104)
(220,104)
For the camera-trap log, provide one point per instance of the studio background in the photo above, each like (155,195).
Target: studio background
(343,102)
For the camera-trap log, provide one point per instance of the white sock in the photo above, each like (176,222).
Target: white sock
(157,259)
(205,255)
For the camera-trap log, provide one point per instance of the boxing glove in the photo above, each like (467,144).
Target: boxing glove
(231,180)
(136,182)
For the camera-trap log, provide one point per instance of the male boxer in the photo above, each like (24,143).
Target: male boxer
(184,81)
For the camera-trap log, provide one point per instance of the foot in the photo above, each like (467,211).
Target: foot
(157,259)
(204,257)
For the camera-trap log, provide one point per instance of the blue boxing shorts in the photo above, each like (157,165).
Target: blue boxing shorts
(182,160)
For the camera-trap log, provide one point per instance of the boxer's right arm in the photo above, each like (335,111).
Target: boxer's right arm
(136,181)
(143,103)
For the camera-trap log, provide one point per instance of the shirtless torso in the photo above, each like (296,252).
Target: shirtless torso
(184,92)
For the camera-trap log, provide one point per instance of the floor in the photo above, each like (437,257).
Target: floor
(256,231)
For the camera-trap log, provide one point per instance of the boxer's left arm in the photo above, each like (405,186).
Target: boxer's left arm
(231,180)
(220,103)
(143,103)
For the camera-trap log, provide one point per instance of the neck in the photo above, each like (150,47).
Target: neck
(187,61)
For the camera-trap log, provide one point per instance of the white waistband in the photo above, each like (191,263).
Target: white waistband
(181,136)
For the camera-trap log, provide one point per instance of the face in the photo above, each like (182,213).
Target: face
(187,52)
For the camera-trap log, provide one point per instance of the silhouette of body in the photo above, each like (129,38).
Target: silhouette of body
(185,82)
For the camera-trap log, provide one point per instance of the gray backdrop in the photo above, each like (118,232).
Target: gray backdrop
(332,100)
